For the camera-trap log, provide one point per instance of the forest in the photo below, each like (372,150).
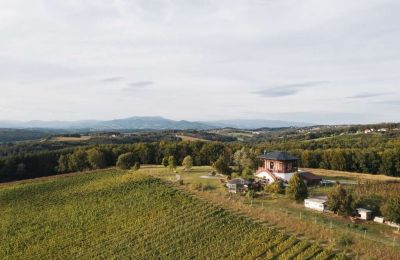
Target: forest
(376,154)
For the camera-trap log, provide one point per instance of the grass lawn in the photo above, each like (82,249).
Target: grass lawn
(339,175)
(122,214)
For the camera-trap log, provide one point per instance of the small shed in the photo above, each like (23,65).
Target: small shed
(318,204)
(310,178)
(237,185)
(364,214)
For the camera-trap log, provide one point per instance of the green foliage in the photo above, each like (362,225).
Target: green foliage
(296,189)
(63,163)
(164,162)
(247,172)
(391,209)
(126,161)
(275,188)
(251,194)
(96,158)
(221,165)
(187,163)
(136,167)
(78,161)
(340,201)
(171,163)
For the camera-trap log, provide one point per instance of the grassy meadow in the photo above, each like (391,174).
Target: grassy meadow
(122,214)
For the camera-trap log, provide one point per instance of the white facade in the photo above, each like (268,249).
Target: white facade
(285,176)
(315,204)
(266,176)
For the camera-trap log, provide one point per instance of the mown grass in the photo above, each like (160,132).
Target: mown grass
(119,214)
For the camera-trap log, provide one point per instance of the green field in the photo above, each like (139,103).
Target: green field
(118,214)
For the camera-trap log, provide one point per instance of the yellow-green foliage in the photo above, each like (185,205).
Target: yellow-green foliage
(115,214)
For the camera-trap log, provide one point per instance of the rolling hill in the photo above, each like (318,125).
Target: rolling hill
(151,123)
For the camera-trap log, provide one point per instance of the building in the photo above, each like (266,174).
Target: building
(310,179)
(282,166)
(364,214)
(277,165)
(318,204)
(238,185)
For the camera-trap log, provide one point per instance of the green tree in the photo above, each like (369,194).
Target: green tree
(136,167)
(221,165)
(171,163)
(187,163)
(276,187)
(296,189)
(247,172)
(78,160)
(165,162)
(126,161)
(97,158)
(62,165)
(339,201)
(391,209)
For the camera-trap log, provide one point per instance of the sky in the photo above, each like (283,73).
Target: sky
(328,62)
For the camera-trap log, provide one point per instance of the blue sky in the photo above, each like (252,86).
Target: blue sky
(314,61)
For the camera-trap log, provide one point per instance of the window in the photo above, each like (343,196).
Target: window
(271,165)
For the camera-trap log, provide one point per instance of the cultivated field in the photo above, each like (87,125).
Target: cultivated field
(70,138)
(121,214)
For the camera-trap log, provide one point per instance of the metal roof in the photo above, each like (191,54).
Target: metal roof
(316,200)
(279,156)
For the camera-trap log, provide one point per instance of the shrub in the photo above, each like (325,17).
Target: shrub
(391,209)
(339,201)
(171,163)
(126,161)
(187,163)
(136,167)
(297,189)
(275,188)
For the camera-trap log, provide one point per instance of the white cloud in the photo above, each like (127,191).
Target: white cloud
(66,59)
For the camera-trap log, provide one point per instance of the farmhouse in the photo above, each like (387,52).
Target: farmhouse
(318,204)
(282,166)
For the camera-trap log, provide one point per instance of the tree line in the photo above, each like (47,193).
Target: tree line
(367,156)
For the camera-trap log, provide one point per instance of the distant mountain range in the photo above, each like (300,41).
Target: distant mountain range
(153,123)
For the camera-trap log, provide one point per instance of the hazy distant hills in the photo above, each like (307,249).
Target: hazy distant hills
(256,123)
(153,123)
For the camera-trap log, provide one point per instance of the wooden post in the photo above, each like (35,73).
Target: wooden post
(365,233)
(315,219)
(330,226)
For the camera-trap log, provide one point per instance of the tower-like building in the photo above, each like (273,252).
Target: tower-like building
(277,165)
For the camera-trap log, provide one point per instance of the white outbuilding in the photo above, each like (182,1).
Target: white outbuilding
(318,204)
(364,214)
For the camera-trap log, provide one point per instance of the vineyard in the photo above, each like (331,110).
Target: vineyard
(115,214)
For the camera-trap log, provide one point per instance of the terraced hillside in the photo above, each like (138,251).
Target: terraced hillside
(119,214)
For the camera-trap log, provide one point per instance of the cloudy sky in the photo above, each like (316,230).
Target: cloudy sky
(316,61)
